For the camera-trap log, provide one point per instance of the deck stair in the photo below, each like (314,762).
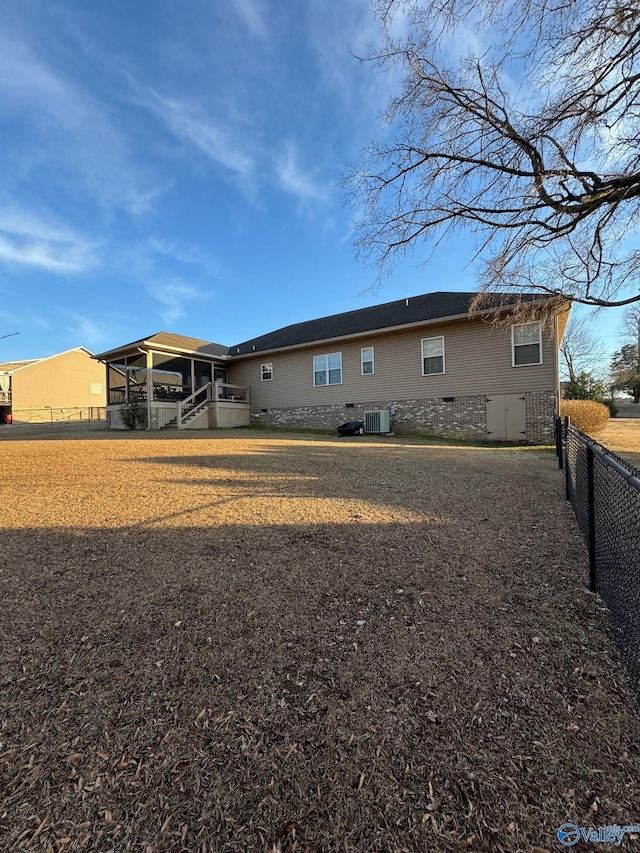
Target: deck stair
(189,410)
(190,414)
(228,404)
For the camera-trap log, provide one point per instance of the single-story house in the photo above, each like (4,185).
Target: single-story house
(424,364)
(67,385)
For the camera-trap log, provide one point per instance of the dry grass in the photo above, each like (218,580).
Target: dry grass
(586,415)
(623,436)
(242,641)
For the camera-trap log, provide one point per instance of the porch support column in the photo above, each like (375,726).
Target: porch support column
(149,386)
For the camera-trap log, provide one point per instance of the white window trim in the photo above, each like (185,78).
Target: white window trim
(262,376)
(326,355)
(513,345)
(422,357)
(372,360)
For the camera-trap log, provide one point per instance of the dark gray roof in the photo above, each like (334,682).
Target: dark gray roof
(415,309)
(402,312)
(168,339)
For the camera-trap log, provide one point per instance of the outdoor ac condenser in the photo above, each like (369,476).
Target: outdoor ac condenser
(377,421)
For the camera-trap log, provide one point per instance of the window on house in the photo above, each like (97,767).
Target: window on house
(266,371)
(366,357)
(95,387)
(526,344)
(327,369)
(432,355)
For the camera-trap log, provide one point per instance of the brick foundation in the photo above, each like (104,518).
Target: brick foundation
(539,407)
(464,417)
(461,417)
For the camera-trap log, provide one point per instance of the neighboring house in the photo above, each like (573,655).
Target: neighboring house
(59,387)
(436,368)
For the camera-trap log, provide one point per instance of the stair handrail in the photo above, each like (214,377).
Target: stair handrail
(183,403)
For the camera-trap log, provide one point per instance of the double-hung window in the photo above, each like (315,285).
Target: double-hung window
(432,355)
(526,344)
(366,360)
(327,369)
(266,372)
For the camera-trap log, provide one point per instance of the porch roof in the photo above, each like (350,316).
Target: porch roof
(169,342)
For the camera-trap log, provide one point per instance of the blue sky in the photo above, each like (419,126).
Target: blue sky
(174,164)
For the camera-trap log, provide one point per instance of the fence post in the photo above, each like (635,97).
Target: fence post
(559,440)
(566,458)
(593,581)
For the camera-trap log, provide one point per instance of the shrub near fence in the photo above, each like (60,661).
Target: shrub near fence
(604,491)
(586,415)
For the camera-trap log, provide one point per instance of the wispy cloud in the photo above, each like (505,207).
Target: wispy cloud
(252,14)
(175,295)
(28,240)
(183,253)
(338,34)
(190,122)
(296,181)
(147,259)
(177,278)
(86,331)
(73,136)
(9,318)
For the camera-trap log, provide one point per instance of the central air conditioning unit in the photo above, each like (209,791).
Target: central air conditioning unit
(377,421)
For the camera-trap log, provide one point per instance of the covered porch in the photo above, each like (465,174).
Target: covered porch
(173,389)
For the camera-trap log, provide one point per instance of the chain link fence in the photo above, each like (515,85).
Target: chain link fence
(57,415)
(604,491)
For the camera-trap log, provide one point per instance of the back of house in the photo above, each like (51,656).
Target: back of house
(428,364)
(434,366)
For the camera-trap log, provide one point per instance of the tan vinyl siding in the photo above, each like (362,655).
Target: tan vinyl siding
(63,381)
(477,361)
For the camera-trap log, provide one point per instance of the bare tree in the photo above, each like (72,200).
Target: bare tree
(625,364)
(581,350)
(631,324)
(532,141)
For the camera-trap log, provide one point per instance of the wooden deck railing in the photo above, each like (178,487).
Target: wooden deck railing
(231,393)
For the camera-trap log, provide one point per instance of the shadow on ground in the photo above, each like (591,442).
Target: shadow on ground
(303,646)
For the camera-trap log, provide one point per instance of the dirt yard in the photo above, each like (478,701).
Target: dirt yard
(251,642)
